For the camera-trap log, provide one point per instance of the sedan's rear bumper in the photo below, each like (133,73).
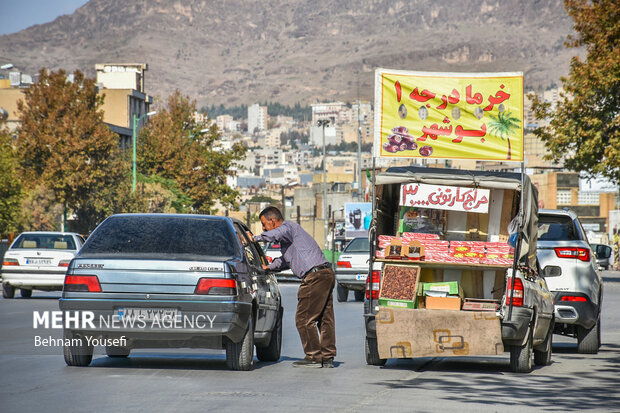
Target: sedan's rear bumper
(353,279)
(47,279)
(199,324)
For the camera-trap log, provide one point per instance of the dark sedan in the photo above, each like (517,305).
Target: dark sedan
(164,281)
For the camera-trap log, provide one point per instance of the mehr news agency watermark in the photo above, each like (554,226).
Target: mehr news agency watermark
(123,319)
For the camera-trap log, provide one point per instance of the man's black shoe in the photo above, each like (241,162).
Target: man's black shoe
(308,363)
(328,363)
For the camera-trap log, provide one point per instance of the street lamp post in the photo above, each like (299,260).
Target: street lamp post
(322,123)
(136,120)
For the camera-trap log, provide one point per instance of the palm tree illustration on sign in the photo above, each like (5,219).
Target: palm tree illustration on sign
(502,126)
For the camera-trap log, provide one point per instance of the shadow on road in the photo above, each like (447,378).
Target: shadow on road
(475,380)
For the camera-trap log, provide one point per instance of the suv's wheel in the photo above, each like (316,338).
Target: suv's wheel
(359,295)
(117,351)
(8,291)
(543,357)
(25,293)
(273,350)
(342,293)
(588,340)
(77,352)
(372,353)
(521,356)
(240,356)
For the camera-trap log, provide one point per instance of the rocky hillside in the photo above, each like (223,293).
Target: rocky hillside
(241,51)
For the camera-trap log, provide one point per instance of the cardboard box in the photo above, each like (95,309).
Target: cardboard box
(449,287)
(400,283)
(443,303)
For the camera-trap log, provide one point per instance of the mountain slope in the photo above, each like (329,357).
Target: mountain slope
(242,51)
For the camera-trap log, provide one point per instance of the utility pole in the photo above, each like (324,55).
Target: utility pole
(322,123)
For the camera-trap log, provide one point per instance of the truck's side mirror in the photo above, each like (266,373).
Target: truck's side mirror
(552,271)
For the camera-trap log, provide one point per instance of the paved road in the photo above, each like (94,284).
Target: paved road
(34,379)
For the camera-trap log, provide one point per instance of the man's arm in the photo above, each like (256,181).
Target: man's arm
(275,234)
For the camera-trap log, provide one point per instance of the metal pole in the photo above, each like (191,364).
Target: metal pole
(373,237)
(515,262)
(133,188)
(359,153)
(333,240)
(324,214)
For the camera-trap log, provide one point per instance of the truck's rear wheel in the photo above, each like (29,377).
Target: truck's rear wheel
(543,357)
(521,356)
(372,353)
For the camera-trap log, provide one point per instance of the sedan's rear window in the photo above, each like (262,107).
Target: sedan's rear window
(358,245)
(162,237)
(557,228)
(44,241)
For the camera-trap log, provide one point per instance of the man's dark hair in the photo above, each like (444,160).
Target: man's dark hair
(271,212)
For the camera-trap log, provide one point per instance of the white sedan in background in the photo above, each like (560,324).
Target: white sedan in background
(38,261)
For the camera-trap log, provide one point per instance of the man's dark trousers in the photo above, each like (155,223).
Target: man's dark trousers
(315,313)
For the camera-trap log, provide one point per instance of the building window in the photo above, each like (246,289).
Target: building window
(589,198)
(564,197)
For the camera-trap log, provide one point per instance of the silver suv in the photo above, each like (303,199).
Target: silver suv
(578,289)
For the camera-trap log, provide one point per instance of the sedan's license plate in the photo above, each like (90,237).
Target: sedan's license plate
(147,314)
(361,277)
(38,261)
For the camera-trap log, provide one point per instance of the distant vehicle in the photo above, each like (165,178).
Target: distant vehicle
(38,260)
(578,291)
(603,256)
(352,269)
(172,281)
(272,250)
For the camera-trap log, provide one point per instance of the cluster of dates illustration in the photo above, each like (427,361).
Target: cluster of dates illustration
(400,140)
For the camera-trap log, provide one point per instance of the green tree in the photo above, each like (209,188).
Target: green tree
(174,146)
(10,185)
(502,126)
(66,147)
(584,129)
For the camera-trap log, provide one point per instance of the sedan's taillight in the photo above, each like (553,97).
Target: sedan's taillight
(376,285)
(582,254)
(517,299)
(10,261)
(343,264)
(574,298)
(88,283)
(216,286)
(64,263)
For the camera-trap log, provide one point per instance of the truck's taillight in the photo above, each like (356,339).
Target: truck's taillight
(64,263)
(88,283)
(10,261)
(582,254)
(518,292)
(216,286)
(376,285)
(574,298)
(343,264)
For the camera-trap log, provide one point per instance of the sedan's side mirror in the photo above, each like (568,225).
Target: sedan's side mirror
(552,271)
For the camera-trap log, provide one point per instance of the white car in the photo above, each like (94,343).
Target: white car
(352,269)
(272,250)
(38,260)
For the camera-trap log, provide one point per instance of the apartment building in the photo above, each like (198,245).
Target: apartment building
(258,118)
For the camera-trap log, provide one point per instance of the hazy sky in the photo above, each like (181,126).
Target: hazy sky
(16,15)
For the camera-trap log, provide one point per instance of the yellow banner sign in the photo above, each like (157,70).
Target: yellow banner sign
(449,115)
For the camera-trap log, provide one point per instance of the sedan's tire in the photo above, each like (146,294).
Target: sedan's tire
(521,356)
(117,351)
(543,357)
(8,291)
(78,353)
(342,293)
(359,295)
(240,356)
(372,353)
(25,293)
(588,339)
(273,350)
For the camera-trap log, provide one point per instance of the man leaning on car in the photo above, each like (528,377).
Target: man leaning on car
(315,309)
